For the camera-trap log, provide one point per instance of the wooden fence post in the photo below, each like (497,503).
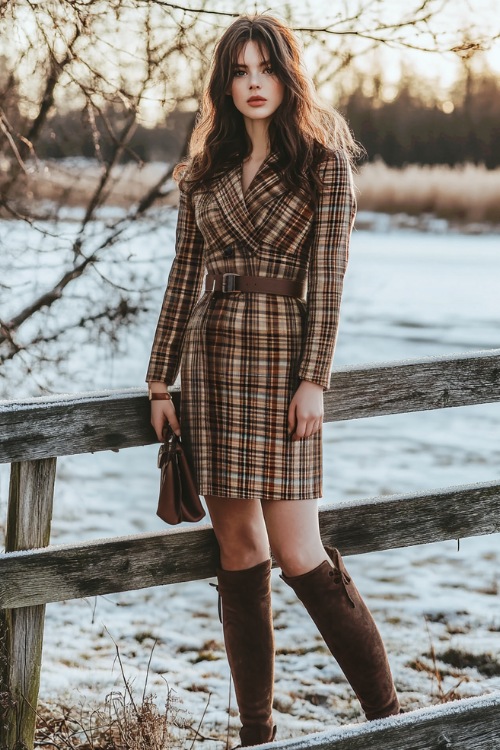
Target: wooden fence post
(29,517)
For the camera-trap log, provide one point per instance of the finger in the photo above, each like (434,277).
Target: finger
(158,431)
(172,421)
(158,425)
(162,413)
(174,424)
(309,430)
(314,428)
(172,418)
(306,428)
(299,430)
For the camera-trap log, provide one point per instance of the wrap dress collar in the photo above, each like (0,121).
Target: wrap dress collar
(244,213)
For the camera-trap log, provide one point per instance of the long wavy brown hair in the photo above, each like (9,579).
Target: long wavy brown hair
(301,129)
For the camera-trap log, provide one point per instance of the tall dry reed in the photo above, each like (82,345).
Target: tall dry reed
(463,194)
(467,193)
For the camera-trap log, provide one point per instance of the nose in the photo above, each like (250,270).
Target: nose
(254,80)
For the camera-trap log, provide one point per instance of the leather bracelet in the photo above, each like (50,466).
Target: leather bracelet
(161,396)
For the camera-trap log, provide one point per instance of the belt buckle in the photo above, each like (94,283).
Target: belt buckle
(229,282)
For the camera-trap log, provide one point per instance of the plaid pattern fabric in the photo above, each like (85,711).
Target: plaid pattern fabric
(241,356)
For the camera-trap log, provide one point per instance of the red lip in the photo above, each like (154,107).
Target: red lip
(256,99)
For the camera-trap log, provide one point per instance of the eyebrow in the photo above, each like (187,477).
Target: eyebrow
(264,62)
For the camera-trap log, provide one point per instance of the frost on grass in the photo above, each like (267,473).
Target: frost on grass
(126,720)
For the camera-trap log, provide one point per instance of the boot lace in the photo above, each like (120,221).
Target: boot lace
(343,577)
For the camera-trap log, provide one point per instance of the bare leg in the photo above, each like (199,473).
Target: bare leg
(240,530)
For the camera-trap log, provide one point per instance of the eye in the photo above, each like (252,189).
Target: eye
(238,73)
(269,70)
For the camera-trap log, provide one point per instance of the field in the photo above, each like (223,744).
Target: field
(461,195)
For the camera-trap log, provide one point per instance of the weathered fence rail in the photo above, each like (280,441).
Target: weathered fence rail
(107,566)
(88,422)
(471,723)
(34,432)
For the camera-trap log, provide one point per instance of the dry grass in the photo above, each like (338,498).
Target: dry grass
(73,183)
(438,675)
(118,724)
(468,193)
(461,194)
(126,720)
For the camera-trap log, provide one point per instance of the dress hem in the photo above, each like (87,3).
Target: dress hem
(311,496)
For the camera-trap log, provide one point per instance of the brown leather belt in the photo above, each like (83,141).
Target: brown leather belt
(235,282)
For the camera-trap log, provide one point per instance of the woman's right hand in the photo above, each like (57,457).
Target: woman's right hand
(161,412)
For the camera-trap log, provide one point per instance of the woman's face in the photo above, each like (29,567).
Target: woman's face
(256,91)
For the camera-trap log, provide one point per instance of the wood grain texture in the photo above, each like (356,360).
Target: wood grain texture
(29,513)
(87,422)
(471,724)
(80,423)
(184,554)
(414,385)
(29,517)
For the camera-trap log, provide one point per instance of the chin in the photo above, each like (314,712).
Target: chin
(258,115)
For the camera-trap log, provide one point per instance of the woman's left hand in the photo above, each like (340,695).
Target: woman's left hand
(305,413)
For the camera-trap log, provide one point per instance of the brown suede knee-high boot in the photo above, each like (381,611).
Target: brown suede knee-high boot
(247,624)
(350,632)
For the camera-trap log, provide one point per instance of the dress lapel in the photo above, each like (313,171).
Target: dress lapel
(243,213)
(265,186)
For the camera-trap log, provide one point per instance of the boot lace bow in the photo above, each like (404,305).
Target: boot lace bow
(340,575)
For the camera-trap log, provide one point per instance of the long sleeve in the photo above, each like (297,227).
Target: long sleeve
(329,253)
(182,292)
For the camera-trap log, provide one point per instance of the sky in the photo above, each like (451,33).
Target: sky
(455,20)
(476,19)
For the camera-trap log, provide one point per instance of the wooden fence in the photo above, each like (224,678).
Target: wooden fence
(35,431)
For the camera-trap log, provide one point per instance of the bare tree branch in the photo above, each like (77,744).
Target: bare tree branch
(75,56)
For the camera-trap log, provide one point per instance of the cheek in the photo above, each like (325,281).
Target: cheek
(279,91)
(236,89)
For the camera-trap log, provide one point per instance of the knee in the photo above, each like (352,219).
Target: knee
(296,562)
(242,539)
(240,548)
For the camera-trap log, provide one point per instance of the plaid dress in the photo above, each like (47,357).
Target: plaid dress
(242,355)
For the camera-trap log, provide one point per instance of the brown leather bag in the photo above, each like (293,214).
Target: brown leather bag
(179,499)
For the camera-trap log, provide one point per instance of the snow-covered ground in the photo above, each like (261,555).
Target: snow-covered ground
(407,294)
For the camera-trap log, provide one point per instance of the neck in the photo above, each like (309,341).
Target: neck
(257,131)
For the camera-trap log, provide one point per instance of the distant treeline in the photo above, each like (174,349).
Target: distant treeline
(71,134)
(416,128)
(413,128)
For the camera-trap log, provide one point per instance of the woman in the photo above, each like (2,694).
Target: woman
(266,206)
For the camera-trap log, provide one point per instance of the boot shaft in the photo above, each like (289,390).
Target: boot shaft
(245,597)
(349,630)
